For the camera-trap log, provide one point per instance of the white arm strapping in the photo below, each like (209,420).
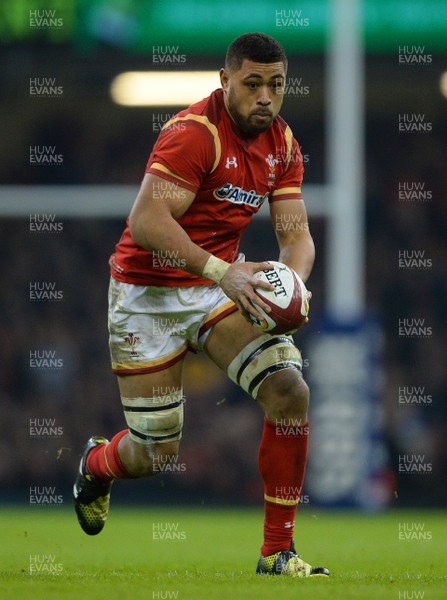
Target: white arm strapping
(215,268)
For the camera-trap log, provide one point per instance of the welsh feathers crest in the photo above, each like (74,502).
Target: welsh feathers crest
(271,161)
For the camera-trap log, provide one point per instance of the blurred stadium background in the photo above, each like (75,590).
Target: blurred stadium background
(370,414)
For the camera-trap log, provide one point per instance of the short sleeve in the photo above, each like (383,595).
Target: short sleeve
(185,151)
(289,185)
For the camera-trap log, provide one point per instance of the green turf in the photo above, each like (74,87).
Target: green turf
(215,556)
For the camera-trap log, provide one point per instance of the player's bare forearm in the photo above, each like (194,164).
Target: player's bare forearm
(299,254)
(296,246)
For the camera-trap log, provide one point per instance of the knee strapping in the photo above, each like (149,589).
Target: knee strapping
(158,419)
(261,358)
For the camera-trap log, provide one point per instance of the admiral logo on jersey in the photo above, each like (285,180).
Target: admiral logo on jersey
(239,196)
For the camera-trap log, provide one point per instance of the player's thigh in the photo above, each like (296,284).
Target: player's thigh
(148,385)
(228,337)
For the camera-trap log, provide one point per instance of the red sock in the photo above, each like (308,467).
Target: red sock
(282,463)
(104,461)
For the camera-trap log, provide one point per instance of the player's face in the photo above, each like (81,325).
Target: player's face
(254,94)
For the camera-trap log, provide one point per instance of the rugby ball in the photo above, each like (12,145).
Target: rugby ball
(288,301)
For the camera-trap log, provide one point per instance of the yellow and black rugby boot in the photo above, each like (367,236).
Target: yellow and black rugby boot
(287,562)
(91,496)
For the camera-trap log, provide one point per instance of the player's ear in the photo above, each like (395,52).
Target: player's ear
(224,79)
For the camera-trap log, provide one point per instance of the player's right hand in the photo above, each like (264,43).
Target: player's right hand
(239,284)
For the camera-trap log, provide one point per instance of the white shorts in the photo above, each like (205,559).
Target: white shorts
(151,328)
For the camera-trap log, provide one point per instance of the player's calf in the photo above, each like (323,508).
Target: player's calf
(146,460)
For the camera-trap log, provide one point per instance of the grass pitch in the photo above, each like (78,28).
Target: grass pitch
(194,554)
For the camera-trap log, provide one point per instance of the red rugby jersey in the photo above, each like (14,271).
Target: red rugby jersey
(231,177)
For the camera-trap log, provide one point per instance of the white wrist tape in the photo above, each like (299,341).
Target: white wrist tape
(215,269)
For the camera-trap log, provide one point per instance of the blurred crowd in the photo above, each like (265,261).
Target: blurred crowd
(404,290)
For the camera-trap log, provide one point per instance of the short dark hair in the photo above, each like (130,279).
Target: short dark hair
(257,47)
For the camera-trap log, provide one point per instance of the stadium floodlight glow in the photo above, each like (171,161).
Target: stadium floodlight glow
(443,84)
(155,88)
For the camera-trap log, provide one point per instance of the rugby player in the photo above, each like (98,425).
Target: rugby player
(214,164)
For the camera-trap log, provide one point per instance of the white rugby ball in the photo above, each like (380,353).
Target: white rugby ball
(288,301)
